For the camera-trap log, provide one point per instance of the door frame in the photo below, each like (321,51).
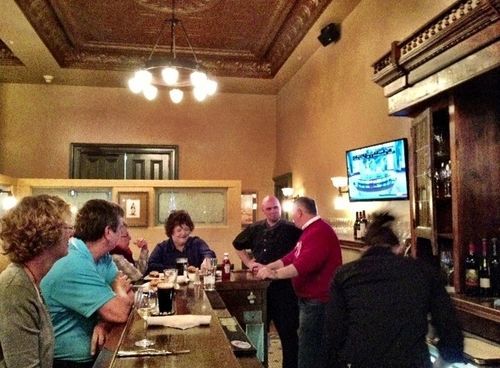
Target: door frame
(76,149)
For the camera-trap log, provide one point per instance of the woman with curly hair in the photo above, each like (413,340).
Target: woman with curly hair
(180,244)
(378,314)
(34,234)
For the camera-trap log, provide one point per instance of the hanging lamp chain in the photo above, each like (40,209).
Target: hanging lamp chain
(173,23)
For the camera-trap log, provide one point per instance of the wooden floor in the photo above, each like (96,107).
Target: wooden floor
(274,354)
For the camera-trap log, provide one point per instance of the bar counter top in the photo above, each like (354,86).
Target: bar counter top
(208,345)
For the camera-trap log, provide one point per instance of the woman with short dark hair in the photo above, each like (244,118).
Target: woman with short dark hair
(180,244)
(34,234)
(378,313)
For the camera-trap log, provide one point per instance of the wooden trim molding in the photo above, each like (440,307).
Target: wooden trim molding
(464,28)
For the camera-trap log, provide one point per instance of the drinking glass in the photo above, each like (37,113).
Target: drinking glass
(210,265)
(170,275)
(145,303)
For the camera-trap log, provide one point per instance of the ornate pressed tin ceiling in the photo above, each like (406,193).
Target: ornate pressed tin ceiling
(231,38)
(95,42)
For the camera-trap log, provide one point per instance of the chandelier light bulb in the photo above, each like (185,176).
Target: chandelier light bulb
(144,77)
(178,76)
(134,85)
(198,78)
(176,95)
(9,202)
(150,92)
(170,75)
(199,93)
(211,87)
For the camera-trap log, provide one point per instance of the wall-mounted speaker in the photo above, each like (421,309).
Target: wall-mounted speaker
(329,34)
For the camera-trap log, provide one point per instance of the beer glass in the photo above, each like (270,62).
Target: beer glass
(181,265)
(165,294)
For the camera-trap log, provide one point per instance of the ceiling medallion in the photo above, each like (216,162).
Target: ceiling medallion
(186,7)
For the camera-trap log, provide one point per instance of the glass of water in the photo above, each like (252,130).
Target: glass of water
(210,266)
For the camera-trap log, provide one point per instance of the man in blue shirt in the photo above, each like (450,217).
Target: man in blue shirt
(84,290)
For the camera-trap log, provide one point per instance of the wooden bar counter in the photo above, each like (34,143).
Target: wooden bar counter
(245,297)
(208,345)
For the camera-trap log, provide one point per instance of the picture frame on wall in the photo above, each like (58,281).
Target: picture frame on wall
(248,208)
(135,206)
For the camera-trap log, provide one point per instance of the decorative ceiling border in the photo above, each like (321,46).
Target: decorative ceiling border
(47,25)
(302,17)
(7,57)
(455,24)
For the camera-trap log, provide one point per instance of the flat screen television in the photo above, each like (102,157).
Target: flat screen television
(378,172)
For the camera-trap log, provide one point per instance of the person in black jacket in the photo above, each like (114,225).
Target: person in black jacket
(380,307)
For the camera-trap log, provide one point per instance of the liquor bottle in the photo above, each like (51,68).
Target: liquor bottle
(363,225)
(437,184)
(484,271)
(495,269)
(471,272)
(226,267)
(447,182)
(356,226)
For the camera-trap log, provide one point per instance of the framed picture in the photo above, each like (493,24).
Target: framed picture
(248,208)
(135,205)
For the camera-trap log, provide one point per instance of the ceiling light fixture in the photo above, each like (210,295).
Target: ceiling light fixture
(171,72)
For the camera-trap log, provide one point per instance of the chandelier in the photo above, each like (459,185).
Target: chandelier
(172,73)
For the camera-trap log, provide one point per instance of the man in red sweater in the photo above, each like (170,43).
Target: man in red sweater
(311,266)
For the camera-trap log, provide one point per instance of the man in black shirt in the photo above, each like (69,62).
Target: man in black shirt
(270,240)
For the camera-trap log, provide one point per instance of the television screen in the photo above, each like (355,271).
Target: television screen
(378,172)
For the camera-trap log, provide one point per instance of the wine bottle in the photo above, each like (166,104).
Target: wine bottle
(471,272)
(364,225)
(495,269)
(484,271)
(356,226)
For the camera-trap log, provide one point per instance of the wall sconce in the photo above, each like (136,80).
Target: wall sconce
(339,182)
(287,192)
(288,202)
(8,200)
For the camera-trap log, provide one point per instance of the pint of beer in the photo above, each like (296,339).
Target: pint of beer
(166,298)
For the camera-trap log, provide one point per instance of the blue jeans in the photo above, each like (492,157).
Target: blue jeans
(311,326)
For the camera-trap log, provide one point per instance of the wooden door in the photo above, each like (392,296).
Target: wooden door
(100,166)
(423,230)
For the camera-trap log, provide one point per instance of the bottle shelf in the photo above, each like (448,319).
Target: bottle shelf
(443,199)
(445,236)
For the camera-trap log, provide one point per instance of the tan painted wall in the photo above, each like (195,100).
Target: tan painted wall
(219,237)
(231,136)
(331,104)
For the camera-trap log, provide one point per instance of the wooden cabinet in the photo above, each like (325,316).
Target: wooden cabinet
(455,165)
(246,299)
(446,76)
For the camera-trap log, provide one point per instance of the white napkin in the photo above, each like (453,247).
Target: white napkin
(181,321)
